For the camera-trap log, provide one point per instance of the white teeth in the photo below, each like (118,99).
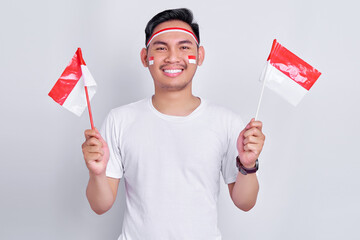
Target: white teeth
(173,70)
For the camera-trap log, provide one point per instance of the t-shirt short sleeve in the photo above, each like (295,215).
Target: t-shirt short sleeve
(228,165)
(110,133)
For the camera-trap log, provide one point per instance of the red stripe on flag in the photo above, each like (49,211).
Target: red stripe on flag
(81,60)
(192,57)
(151,58)
(67,81)
(293,66)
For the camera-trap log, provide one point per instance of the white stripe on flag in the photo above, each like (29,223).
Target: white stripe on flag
(88,78)
(76,100)
(282,84)
(192,61)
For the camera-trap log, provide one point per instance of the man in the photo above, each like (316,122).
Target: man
(170,148)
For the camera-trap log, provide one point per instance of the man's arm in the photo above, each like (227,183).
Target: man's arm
(101,190)
(101,193)
(250,142)
(244,191)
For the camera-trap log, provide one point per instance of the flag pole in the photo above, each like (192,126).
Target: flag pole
(86,90)
(89,108)
(261,95)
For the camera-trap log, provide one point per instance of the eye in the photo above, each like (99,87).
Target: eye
(160,49)
(184,48)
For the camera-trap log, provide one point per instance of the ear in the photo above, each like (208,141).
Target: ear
(201,55)
(144,57)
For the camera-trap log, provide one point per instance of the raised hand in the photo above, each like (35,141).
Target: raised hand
(96,152)
(250,143)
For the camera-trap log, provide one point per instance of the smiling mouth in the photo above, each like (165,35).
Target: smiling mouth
(172,71)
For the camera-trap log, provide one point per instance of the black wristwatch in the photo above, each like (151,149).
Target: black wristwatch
(245,170)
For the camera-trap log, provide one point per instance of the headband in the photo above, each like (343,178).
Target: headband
(174,29)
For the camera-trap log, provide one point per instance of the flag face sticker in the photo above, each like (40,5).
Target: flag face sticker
(288,75)
(69,90)
(192,59)
(151,60)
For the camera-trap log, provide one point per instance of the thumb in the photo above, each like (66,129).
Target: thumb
(240,145)
(98,135)
(248,125)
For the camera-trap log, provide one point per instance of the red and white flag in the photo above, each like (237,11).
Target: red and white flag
(69,90)
(192,59)
(151,60)
(287,74)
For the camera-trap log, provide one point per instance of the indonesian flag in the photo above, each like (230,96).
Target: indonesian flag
(151,60)
(69,90)
(287,74)
(192,59)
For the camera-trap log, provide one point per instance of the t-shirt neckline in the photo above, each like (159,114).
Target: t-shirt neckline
(173,118)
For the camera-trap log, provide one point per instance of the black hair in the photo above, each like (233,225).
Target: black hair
(182,14)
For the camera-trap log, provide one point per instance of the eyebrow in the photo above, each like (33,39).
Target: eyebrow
(159,43)
(185,42)
(179,43)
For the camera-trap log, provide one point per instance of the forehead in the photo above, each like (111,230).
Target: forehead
(172,24)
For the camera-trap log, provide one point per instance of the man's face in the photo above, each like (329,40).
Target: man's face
(170,51)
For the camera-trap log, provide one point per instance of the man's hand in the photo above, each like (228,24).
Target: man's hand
(96,152)
(250,143)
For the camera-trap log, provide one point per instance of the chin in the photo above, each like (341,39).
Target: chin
(174,87)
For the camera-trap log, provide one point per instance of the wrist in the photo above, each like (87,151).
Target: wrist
(247,165)
(246,169)
(97,175)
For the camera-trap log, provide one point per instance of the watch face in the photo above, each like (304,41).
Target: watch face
(257,164)
(238,165)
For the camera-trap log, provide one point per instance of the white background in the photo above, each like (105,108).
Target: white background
(309,182)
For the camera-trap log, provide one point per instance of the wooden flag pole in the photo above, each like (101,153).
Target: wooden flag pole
(89,108)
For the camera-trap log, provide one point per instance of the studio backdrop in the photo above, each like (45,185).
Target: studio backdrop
(309,167)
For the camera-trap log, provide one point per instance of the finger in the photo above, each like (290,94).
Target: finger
(239,142)
(248,125)
(93,142)
(101,139)
(253,132)
(252,139)
(90,157)
(97,131)
(252,148)
(89,133)
(241,135)
(93,149)
(256,124)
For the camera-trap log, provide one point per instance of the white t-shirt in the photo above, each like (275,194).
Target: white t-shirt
(171,167)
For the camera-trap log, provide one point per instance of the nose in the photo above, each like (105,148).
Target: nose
(172,57)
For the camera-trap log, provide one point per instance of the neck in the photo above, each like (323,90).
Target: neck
(177,103)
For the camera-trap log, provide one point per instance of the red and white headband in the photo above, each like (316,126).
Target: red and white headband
(174,29)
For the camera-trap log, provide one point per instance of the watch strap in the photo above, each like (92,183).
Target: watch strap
(245,170)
